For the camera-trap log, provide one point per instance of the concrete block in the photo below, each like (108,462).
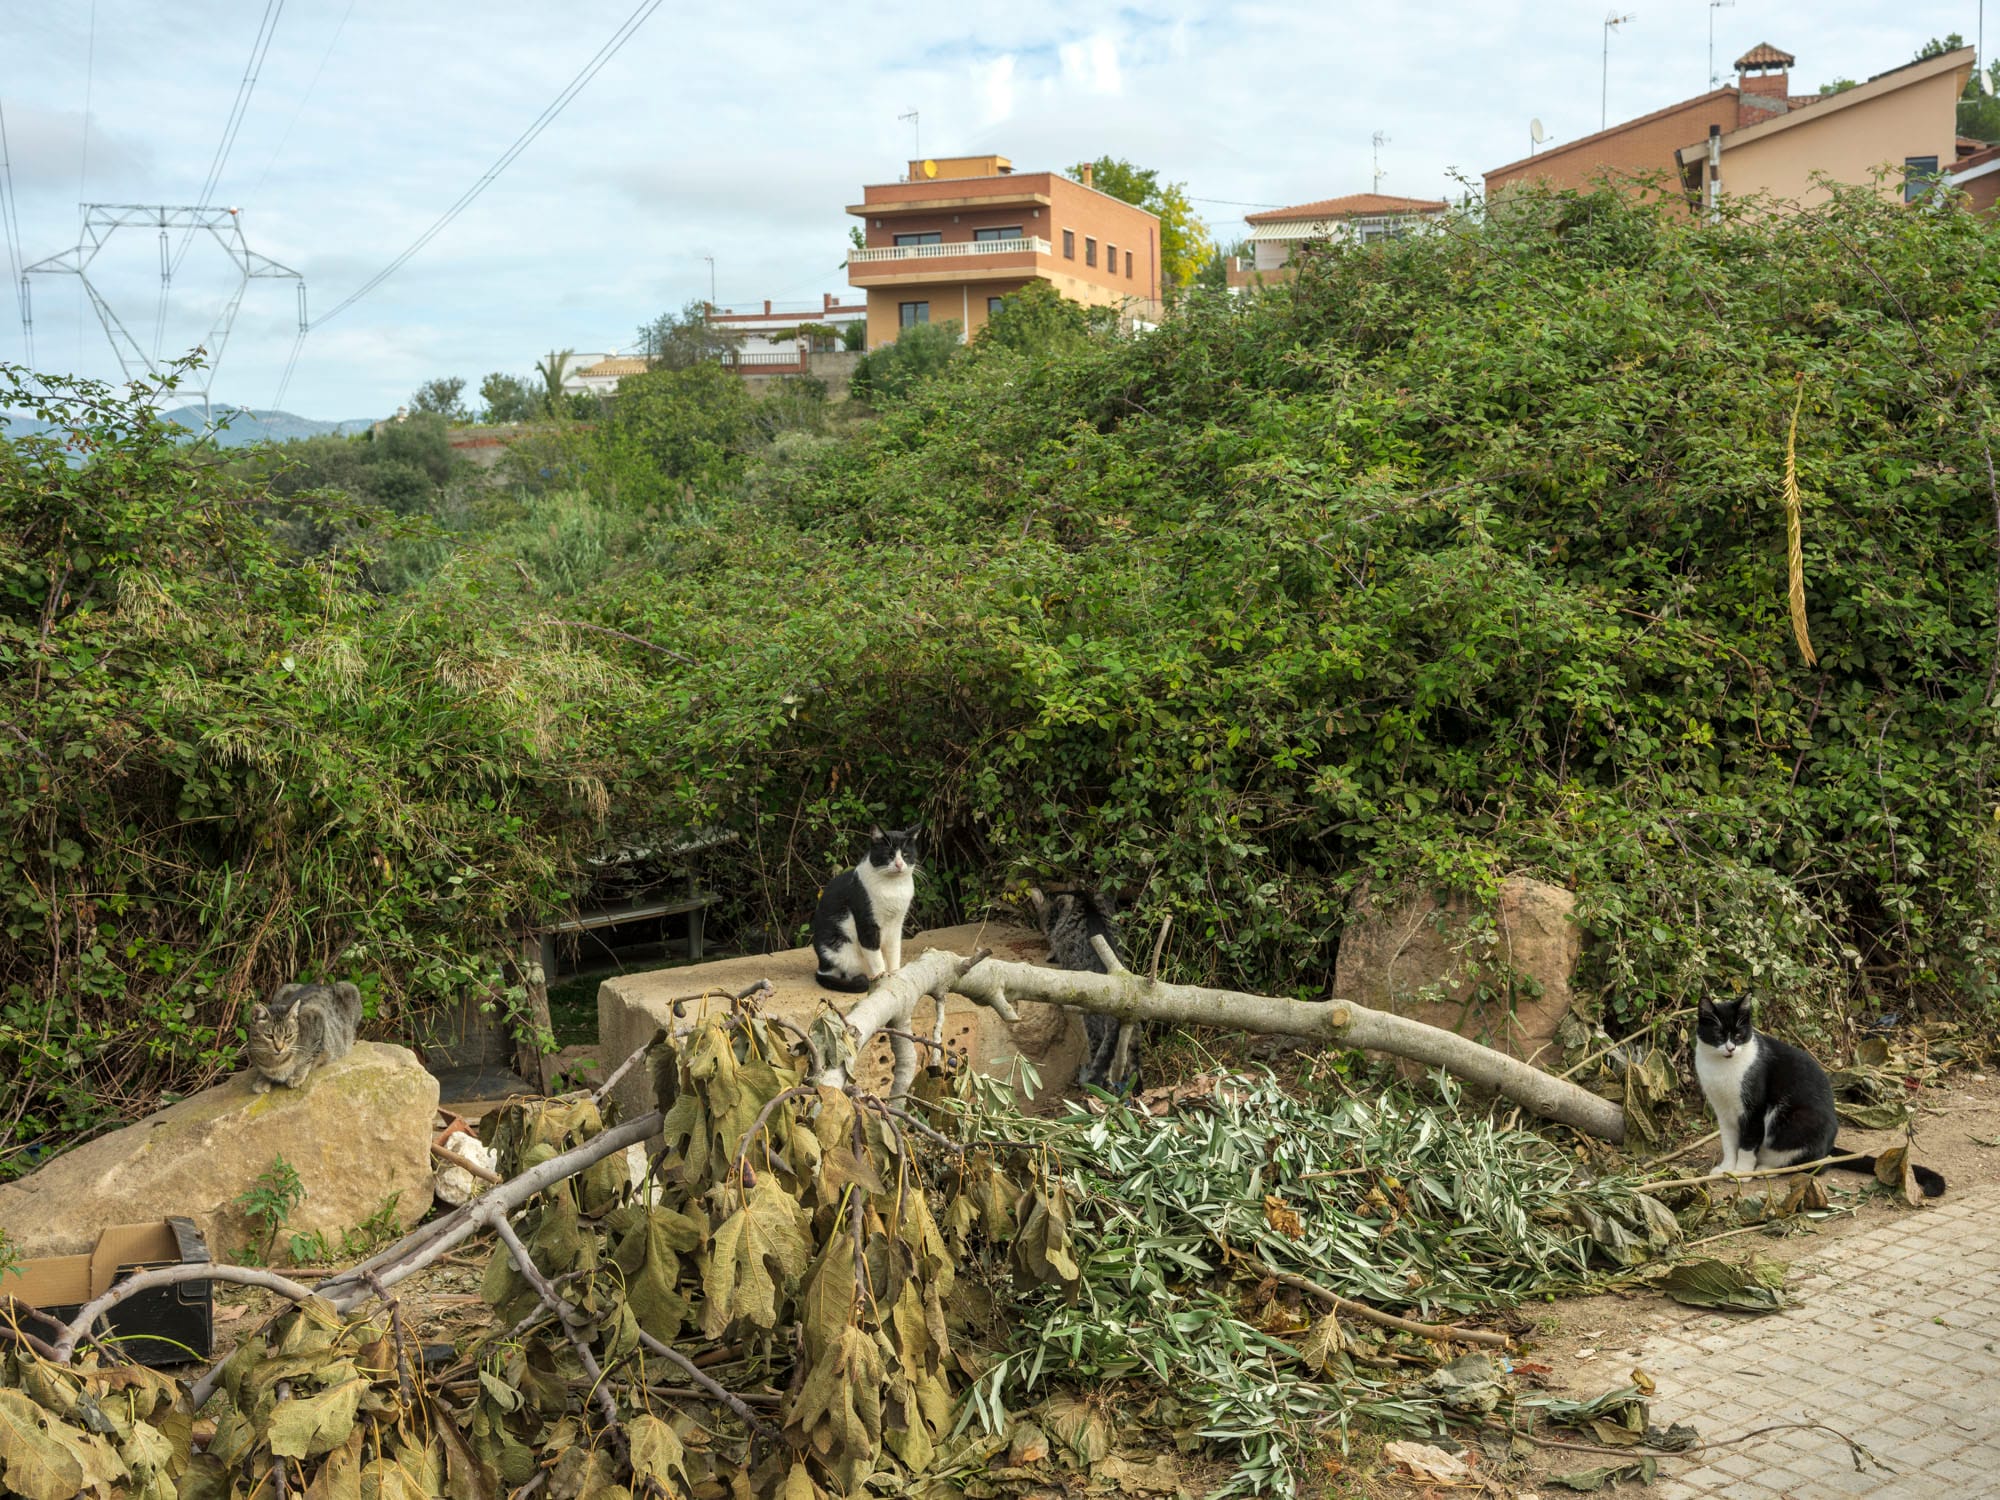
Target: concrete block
(631,1009)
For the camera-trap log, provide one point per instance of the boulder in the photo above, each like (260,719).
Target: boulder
(358,1132)
(1498,975)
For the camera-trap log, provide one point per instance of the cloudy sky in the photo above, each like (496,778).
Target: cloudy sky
(740,132)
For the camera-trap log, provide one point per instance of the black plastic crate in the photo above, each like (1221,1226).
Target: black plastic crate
(168,1325)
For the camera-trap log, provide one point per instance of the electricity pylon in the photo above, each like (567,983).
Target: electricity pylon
(224,225)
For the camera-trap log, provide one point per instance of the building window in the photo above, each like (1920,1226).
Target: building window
(1919,174)
(1089,251)
(909,314)
(1111,260)
(1128,263)
(994,304)
(1010,232)
(928,237)
(1069,244)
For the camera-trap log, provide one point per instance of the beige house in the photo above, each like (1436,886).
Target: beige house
(1904,119)
(1358,218)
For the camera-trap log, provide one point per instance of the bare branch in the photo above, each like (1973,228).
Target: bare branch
(1337,1023)
(146,1281)
(574,1324)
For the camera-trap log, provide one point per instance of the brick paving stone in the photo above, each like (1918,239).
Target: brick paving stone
(1894,1341)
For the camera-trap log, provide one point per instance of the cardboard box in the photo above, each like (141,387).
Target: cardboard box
(168,1325)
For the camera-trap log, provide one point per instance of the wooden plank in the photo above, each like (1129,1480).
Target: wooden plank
(591,921)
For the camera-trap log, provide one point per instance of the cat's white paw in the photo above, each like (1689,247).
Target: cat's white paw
(259,1084)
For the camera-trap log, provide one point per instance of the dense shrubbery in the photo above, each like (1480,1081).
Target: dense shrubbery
(1464,556)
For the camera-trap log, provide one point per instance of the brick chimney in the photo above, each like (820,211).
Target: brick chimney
(767,307)
(1087,170)
(1765,70)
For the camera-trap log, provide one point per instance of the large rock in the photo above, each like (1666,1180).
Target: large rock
(1499,975)
(357,1132)
(631,1009)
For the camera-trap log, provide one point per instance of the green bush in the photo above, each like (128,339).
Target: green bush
(231,765)
(1465,556)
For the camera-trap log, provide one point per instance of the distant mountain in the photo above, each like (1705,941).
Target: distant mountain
(246,425)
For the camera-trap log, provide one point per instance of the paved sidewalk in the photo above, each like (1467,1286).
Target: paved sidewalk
(1895,1342)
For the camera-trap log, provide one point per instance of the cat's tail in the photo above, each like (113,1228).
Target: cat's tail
(1930,1182)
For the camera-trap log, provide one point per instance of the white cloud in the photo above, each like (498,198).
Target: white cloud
(1092,64)
(994,83)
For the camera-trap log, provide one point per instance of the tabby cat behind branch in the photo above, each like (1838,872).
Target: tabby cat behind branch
(304,1026)
(857,930)
(1773,1102)
(1070,919)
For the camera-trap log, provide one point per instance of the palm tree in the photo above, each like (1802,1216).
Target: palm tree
(552,371)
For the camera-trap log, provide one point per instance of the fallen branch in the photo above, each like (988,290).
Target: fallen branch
(1336,1023)
(1797,1166)
(574,1326)
(702,1378)
(146,1281)
(892,1004)
(484,1174)
(1443,1333)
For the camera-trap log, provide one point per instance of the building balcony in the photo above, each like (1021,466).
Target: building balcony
(955,250)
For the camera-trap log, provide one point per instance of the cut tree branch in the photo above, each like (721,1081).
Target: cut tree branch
(892,1004)
(1335,1023)
(146,1281)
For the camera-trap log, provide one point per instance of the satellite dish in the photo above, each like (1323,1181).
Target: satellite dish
(1536,133)
(930,167)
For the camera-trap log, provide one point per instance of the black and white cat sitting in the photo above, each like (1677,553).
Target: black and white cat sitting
(1773,1102)
(857,931)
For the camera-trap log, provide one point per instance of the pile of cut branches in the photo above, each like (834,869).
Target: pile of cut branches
(813,1288)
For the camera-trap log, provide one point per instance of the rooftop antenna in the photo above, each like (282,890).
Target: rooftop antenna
(1604,78)
(1536,135)
(711,281)
(1715,78)
(916,133)
(1376,143)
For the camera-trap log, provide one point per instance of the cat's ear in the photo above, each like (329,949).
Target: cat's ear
(259,1014)
(1707,1009)
(874,830)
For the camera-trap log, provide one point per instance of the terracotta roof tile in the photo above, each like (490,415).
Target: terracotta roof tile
(1764,55)
(620,365)
(1353,206)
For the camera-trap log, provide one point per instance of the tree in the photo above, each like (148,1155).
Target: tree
(440,397)
(698,422)
(1214,273)
(1038,319)
(1838,86)
(553,369)
(508,398)
(894,370)
(675,341)
(1935,48)
(1185,243)
(855,335)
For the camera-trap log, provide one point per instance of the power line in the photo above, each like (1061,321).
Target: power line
(267,28)
(285,139)
(640,15)
(83,165)
(10,222)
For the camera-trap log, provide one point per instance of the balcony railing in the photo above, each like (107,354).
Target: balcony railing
(1027,245)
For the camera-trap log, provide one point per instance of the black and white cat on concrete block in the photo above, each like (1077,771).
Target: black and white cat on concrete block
(857,932)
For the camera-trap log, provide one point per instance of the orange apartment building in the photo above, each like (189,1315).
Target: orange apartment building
(960,233)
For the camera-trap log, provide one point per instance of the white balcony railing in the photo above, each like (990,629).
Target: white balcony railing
(1027,245)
